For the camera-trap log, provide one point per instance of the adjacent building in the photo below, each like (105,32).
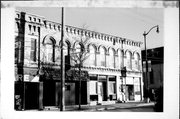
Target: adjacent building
(155,57)
(38,43)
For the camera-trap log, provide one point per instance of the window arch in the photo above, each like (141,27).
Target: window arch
(49,44)
(77,53)
(78,47)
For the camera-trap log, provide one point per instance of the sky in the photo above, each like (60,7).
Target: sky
(127,23)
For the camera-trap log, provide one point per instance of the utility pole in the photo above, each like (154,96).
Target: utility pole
(146,60)
(62,96)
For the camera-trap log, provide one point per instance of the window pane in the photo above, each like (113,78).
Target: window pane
(112,87)
(49,52)
(16,51)
(33,50)
(93,87)
(128,60)
(111,58)
(102,57)
(92,56)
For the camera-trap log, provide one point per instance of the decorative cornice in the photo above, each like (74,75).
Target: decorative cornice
(111,70)
(77,31)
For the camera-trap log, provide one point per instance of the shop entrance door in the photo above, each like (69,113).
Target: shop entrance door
(102,91)
(70,94)
(130,92)
(49,93)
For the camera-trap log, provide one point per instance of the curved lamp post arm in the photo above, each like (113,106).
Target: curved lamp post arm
(146,59)
(151,29)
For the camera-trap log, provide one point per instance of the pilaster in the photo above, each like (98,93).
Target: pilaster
(88,92)
(107,88)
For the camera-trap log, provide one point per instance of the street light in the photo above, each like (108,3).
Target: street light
(146,72)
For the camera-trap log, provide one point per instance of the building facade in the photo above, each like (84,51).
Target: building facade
(37,41)
(155,75)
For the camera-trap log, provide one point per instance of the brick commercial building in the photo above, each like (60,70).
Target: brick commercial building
(155,57)
(37,43)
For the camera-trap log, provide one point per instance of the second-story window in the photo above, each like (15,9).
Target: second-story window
(77,54)
(111,58)
(121,58)
(92,60)
(128,60)
(33,50)
(50,50)
(17,50)
(136,61)
(102,57)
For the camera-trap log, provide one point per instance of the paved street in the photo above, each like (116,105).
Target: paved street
(137,109)
(119,107)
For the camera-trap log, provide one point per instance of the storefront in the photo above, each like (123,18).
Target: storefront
(131,88)
(102,88)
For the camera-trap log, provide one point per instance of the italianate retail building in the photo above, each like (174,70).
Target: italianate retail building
(37,52)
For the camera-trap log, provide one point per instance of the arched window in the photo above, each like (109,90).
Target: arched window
(117,61)
(67,48)
(102,57)
(50,49)
(111,58)
(92,56)
(77,54)
(136,61)
(128,60)
(67,56)
(120,58)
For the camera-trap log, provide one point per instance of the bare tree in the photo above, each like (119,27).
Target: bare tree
(79,55)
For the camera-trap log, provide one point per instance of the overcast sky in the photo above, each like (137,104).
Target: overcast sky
(128,23)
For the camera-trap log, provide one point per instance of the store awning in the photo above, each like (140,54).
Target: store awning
(74,75)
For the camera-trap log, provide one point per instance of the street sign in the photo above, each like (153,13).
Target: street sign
(149,66)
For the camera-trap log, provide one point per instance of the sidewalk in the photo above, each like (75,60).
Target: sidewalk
(93,108)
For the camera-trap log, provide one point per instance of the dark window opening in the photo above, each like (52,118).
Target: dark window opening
(33,50)
(151,77)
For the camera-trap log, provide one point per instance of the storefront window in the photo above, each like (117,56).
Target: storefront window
(112,87)
(93,87)
(112,84)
